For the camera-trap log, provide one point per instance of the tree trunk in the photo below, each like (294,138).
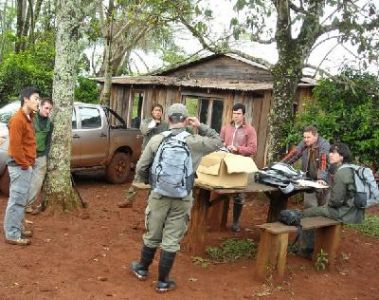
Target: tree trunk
(108,72)
(19,24)
(58,187)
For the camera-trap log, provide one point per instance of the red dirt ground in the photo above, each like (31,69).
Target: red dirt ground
(87,256)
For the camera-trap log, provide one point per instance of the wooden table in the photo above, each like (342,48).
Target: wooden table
(210,210)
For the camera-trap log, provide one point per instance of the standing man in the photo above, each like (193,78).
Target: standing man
(313,151)
(167,217)
(43,129)
(240,138)
(22,152)
(149,127)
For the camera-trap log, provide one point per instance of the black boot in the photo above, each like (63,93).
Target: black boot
(166,262)
(141,269)
(237,210)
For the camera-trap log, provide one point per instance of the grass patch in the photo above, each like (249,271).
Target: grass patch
(370,226)
(232,249)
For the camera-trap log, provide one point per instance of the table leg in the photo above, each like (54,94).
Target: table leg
(278,202)
(218,212)
(194,241)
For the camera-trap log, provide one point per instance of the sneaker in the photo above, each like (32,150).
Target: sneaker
(138,271)
(28,210)
(235,228)
(26,233)
(19,242)
(165,286)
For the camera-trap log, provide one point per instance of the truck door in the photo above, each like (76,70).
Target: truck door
(92,136)
(75,143)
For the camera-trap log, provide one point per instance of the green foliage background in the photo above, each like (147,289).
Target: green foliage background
(345,110)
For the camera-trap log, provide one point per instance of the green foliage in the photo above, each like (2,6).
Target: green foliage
(202,262)
(370,226)
(86,91)
(29,68)
(232,249)
(321,260)
(345,111)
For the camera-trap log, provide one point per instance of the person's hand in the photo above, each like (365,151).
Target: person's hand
(232,148)
(193,121)
(322,182)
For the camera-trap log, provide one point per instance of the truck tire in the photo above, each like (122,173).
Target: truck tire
(119,168)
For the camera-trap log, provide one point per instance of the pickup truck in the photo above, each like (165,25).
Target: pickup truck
(100,140)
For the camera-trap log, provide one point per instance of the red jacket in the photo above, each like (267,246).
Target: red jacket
(243,137)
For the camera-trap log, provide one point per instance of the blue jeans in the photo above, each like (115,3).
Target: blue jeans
(18,196)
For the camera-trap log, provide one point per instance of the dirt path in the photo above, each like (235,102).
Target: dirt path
(77,257)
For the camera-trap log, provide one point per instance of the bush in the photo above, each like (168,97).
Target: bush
(28,68)
(232,249)
(87,91)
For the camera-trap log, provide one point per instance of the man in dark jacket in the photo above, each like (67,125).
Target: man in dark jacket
(341,203)
(313,152)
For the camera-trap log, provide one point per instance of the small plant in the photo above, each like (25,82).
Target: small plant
(321,261)
(370,226)
(232,249)
(203,262)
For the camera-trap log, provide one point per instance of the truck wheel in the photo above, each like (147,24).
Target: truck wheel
(118,169)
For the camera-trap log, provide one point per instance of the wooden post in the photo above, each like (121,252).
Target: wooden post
(328,239)
(217,216)
(194,241)
(272,250)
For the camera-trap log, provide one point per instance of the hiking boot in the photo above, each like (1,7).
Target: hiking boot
(26,233)
(165,286)
(18,242)
(235,228)
(139,271)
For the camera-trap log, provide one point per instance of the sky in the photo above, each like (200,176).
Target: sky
(223,12)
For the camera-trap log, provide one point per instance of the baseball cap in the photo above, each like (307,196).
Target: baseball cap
(177,109)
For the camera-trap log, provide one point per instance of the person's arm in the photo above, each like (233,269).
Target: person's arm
(294,154)
(146,159)
(338,192)
(323,164)
(251,143)
(49,138)
(15,144)
(207,141)
(144,127)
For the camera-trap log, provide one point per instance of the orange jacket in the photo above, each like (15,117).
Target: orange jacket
(22,140)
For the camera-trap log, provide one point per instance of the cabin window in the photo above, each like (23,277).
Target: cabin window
(136,109)
(208,110)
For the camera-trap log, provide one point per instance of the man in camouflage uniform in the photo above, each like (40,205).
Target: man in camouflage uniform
(166,218)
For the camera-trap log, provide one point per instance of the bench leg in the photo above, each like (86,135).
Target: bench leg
(328,239)
(272,250)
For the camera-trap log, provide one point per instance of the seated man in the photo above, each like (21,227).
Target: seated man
(341,203)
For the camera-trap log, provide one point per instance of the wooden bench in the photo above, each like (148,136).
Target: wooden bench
(272,250)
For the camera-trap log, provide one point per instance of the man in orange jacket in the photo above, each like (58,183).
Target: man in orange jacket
(22,152)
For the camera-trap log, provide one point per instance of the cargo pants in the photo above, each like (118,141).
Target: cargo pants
(166,221)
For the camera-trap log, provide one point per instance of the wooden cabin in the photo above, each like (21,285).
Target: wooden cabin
(209,87)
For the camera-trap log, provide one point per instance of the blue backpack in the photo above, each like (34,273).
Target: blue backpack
(367,192)
(171,173)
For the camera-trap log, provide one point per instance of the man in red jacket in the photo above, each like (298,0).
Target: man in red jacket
(240,138)
(22,152)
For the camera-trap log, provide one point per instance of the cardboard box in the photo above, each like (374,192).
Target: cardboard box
(225,170)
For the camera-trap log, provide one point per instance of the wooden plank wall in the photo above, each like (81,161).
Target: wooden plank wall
(222,67)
